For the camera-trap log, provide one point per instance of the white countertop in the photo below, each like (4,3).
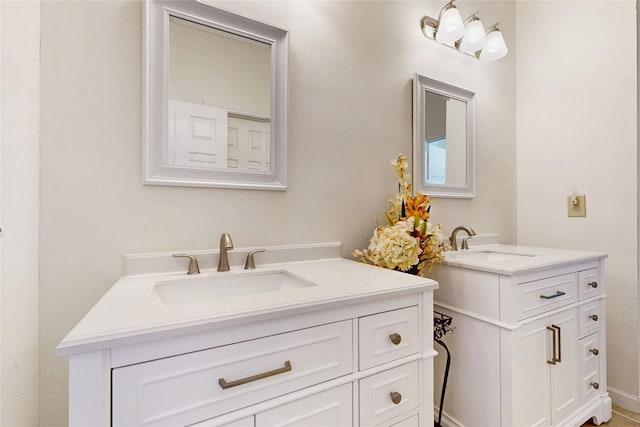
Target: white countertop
(129,311)
(510,259)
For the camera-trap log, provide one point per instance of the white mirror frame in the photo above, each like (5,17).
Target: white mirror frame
(155,168)
(420,85)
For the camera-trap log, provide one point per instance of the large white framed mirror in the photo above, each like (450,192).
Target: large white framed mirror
(443,139)
(214,98)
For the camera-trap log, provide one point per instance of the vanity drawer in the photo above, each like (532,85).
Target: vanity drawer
(589,318)
(588,284)
(332,408)
(540,296)
(388,394)
(196,386)
(388,336)
(590,385)
(589,352)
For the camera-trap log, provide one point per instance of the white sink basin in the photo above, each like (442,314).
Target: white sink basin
(199,289)
(488,256)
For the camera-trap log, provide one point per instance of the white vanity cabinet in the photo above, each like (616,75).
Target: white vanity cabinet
(528,347)
(363,363)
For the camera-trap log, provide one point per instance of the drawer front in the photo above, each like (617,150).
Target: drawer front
(388,394)
(588,285)
(189,388)
(589,388)
(409,422)
(540,296)
(330,408)
(589,353)
(388,336)
(589,318)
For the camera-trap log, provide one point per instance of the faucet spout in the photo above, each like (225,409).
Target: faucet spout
(225,244)
(454,242)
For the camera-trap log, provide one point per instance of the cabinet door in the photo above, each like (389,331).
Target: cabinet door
(546,393)
(531,374)
(330,408)
(565,374)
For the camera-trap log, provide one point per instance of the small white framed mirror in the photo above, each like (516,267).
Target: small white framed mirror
(214,98)
(443,139)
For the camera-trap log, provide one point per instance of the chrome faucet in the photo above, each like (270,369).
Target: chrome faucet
(454,242)
(225,244)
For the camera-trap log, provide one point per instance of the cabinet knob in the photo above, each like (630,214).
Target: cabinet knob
(593,284)
(595,385)
(395,397)
(594,351)
(594,317)
(395,338)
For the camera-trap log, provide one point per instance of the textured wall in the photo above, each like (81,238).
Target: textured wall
(351,65)
(576,132)
(20,80)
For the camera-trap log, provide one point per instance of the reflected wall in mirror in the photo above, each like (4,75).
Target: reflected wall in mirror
(443,139)
(215,107)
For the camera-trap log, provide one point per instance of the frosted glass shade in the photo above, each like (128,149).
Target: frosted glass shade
(450,26)
(474,37)
(495,47)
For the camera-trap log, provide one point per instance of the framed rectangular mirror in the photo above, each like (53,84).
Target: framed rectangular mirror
(443,139)
(214,98)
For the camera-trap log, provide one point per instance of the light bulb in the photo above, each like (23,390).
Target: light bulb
(450,26)
(495,47)
(474,37)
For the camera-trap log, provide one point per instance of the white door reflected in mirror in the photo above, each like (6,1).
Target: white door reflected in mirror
(214,99)
(443,143)
(219,106)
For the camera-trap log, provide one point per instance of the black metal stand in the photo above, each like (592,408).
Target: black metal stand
(441,326)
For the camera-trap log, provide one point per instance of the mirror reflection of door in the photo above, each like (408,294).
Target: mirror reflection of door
(444,140)
(226,79)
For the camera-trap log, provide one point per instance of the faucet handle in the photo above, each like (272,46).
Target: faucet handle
(193,263)
(250,263)
(465,242)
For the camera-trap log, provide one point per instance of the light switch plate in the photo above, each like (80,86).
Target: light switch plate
(576,206)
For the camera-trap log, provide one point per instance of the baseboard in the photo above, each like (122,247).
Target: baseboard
(624,400)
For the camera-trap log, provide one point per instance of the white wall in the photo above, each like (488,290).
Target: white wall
(351,65)
(576,132)
(19,125)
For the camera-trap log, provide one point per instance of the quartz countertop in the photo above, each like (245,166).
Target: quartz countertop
(130,311)
(514,259)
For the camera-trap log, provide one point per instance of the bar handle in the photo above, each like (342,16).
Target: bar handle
(556,295)
(225,385)
(559,359)
(553,356)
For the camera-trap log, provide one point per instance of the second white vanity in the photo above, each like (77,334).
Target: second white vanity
(529,345)
(314,341)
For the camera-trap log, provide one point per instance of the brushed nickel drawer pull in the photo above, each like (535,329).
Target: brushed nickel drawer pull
(225,385)
(395,338)
(559,359)
(595,385)
(553,340)
(594,317)
(593,284)
(396,397)
(556,295)
(594,351)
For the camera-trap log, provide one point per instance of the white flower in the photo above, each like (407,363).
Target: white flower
(393,247)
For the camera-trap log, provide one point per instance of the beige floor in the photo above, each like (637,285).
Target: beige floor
(621,418)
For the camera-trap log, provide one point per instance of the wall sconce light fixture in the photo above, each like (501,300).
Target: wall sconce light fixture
(468,37)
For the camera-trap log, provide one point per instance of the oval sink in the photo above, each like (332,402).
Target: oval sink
(199,289)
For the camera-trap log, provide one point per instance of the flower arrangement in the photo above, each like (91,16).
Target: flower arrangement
(409,242)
